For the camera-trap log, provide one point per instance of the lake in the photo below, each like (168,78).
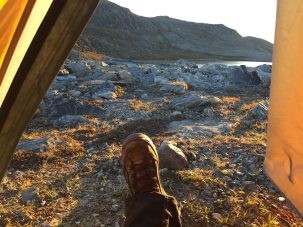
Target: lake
(203,62)
(234,63)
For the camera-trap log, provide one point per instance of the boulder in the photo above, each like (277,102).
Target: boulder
(260,111)
(265,68)
(111,76)
(68,105)
(31,195)
(171,157)
(160,80)
(69,120)
(265,78)
(74,55)
(78,68)
(104,95)
(185,64)
(35,145)
(206,128)
(208,112)
(74,93)
(126,76)
(175,87)
(69,79)
(194,101)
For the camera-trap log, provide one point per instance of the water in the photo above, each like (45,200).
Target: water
(234,63)
(203,62)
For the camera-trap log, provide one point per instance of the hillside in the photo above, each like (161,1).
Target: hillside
(117,32)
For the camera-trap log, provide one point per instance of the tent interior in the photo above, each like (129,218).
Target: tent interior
(30,58)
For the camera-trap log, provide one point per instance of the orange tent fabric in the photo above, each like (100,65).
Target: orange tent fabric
(11,13)
(31,58)
(284,159)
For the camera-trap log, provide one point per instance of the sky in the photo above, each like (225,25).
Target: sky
(248,17)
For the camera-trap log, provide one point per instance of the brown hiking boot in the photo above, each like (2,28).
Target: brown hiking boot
(141,164)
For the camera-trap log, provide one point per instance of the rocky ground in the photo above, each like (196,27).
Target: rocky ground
(210,122)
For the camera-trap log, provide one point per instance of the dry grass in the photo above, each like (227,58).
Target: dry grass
(139,105)
(119,91)
(180,83)
(88,55)
(86,188)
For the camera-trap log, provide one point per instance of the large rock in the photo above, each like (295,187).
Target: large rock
(96,87)
(74,55)
(126,76)
(186,65)
(68,105)
(265,78)
(207,128)
(260,111)
(78,68)
(63,83)
(171,157)
(225,76)
(160,80)
(69,120)
(109,76)
(104,95)
(35,145)
(175,87)
(265,68)
(68,79)
(194,101)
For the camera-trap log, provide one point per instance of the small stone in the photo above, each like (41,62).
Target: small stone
(115,208)
(91,149)
(164,170)
(43,203)
(103,64)
(208,112)
(75,93)
(176,113)
(249,185)
(217,216)
(282,199)
(30,195)
(144,96)
(171,157)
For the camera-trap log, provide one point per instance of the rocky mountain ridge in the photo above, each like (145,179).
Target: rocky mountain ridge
(117,32)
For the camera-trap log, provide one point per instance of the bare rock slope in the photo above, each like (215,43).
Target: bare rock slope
(117,32)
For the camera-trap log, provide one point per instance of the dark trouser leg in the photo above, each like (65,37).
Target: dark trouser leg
(152,210)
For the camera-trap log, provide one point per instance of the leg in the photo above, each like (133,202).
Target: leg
(149,205)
